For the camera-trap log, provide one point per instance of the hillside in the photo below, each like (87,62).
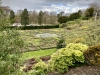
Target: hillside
(78,31)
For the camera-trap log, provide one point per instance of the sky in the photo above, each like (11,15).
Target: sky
(68,6)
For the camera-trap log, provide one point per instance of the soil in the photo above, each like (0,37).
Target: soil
(83,70)
(30,62)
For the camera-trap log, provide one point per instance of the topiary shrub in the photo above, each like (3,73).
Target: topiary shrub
(66,57)
(92,55)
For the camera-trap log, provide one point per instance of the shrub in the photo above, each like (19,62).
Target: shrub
(11,44)
(61,43)
(65,57)
(79,40)
(40,68)
(77,46)
(92,55)
(62,25)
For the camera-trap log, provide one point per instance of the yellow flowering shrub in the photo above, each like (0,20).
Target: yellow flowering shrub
(40,68)
(65,57)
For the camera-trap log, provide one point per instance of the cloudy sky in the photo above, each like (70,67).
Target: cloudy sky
(68,6)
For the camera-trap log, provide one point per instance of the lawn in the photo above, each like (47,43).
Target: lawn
(38,53)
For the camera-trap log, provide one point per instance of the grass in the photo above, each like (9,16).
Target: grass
(36,54)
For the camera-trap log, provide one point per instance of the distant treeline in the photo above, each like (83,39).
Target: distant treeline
(32,27)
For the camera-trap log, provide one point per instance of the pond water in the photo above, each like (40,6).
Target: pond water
(45,35)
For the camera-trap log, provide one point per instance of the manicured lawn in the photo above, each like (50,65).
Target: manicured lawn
(39,53)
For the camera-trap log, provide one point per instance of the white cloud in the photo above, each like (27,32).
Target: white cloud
(59,8)
(77,8)
(49,5)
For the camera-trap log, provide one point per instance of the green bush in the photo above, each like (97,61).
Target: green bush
(77,46)
(84,18)
(66,57)
(62,25)
(11,44)
(40,68)
(61,43)
(92,55)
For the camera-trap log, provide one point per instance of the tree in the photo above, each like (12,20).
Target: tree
(53,17)
(10,46)
(24,17)
(62,19)
(89,12)
(12,16)
(45,17)
(74,16)
(96,8)
(40,18)
(80,13)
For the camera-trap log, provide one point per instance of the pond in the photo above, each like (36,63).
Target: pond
(45,35)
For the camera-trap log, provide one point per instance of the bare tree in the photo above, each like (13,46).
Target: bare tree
(46,17)
(53,17)
(6,10)
(61,13)
(35,17)
(96,9)
(19,12)
(18,16)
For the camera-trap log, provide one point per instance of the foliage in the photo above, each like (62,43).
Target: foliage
(62,19)
(12,16)
(92,35)
(79,40)
(65,57)
(84,18)
(24,17)
(89,12)
(80,13)
(92,55)
(40,18)
(10,51)
(61,43)
(10,45)
(77,46)
(40,68)
(3,20)
(74,16)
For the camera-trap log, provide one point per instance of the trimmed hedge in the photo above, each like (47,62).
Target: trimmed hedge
(32,27)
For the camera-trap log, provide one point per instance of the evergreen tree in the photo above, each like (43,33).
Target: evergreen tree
(12,16)
(89,12)
(25,17)
(40,18)
(62,19)
(74,16)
